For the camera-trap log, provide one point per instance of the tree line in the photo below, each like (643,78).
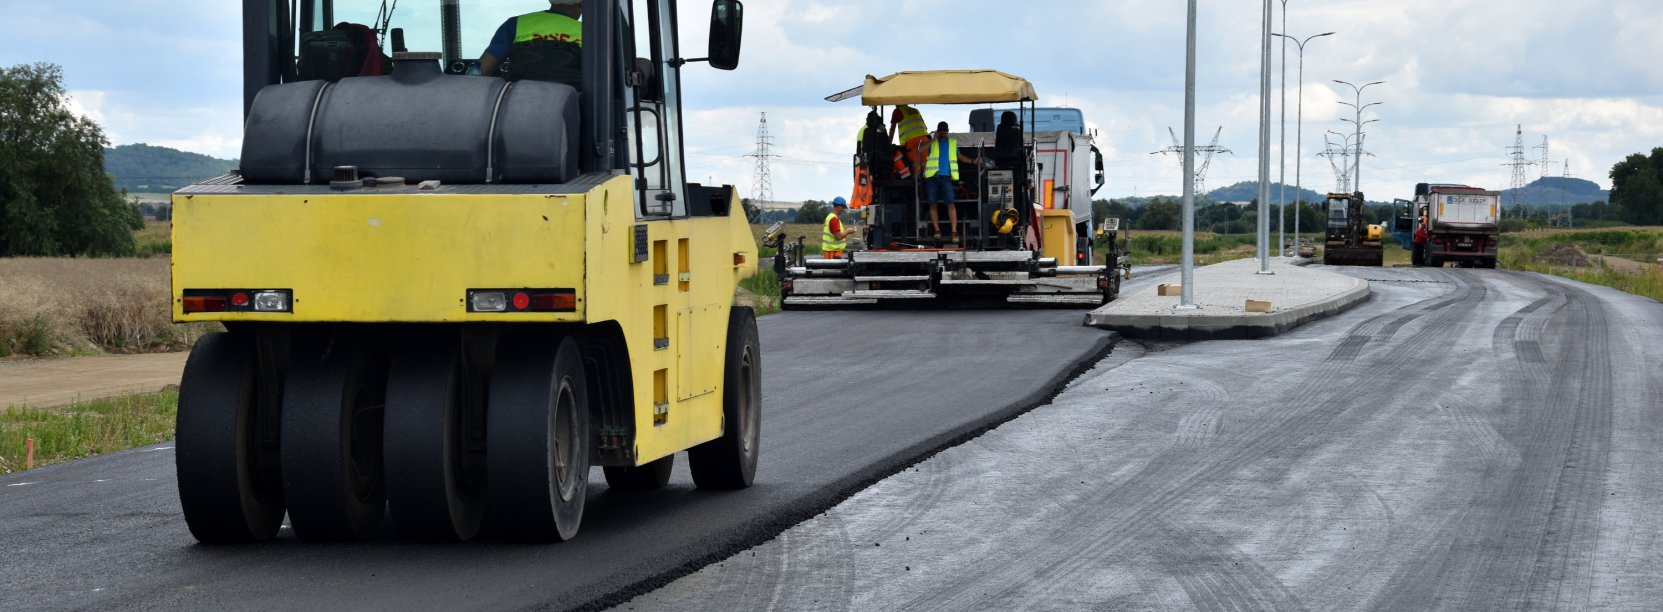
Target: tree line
(55,197)
(1637,188)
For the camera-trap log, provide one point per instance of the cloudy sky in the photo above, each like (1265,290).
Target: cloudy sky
(1459,75)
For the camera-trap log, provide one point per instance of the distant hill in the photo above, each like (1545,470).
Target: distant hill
(1556,191)
(1246,191)
(147,168)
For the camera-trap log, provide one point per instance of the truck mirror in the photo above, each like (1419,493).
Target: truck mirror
(1098,178)
(727,18)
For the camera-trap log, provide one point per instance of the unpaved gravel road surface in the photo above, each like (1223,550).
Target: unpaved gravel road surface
(1467,440)
(55,382)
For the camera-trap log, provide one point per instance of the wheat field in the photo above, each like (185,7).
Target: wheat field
(53,306)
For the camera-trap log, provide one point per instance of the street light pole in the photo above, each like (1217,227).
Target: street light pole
(1264,145)
(1282,152)
(1299,134)
(1186,288)
(1357,185)
(1356,167)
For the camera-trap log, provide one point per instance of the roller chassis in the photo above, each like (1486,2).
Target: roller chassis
(421,391)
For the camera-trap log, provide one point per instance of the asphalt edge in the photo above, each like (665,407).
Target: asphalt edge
(757,532)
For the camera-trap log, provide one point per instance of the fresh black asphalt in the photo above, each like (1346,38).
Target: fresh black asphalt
(848,399)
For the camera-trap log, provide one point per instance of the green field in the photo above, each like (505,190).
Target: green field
(84,429)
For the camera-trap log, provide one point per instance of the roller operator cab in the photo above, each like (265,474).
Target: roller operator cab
(445,295)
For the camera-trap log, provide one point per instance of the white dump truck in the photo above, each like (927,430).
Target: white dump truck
(1461,225)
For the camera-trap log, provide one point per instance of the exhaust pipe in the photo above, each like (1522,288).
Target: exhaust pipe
(450,24)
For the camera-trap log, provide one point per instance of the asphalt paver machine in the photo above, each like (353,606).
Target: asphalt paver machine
(1015,247)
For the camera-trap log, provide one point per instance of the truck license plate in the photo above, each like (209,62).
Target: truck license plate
(1464,244)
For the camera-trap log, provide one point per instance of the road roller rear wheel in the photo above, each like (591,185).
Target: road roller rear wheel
(435,470)
(729,462)
(333,402)
(227,486)
(537,433)
(641,478)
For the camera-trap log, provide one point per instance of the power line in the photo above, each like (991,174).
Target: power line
(1518,162)
(1206,160)
(1545,163)
(762,181)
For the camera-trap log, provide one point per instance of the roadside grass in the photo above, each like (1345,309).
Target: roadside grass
(61,306)
(1630,241)
(84,429)
(1166,247)
(1520,251)
(762,292)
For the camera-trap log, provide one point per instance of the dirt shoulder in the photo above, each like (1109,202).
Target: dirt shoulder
(55,382)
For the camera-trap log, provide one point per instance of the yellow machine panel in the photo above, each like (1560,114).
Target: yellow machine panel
(353,257)
(368,258)
(1059,234)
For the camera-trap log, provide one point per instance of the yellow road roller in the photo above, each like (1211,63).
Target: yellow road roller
(446,295)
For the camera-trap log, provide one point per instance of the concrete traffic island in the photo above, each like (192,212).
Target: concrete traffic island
(1296,295)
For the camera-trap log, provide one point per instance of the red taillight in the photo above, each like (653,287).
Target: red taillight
(521,300)
(206,303)
(239,299)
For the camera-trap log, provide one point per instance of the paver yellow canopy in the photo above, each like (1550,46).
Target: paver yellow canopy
(946,87)
(453,294)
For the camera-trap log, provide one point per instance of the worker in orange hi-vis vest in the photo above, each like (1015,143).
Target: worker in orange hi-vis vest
(863,193)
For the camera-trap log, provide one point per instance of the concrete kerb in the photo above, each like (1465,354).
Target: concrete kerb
(1316,294)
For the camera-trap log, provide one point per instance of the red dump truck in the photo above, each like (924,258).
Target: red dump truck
(1460,225)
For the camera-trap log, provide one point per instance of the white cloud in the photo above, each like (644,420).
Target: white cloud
(1460,75)
(88,104)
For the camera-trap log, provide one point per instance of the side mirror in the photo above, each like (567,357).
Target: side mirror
(727,19)
(1097,160)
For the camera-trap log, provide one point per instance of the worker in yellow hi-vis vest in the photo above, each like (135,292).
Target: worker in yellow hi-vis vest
(833,236)
(559,23)
(941,177)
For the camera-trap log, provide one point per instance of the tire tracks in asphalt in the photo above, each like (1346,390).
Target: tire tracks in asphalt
(1525,540)
(1169,482)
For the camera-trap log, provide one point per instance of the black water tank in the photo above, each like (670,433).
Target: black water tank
(417,124)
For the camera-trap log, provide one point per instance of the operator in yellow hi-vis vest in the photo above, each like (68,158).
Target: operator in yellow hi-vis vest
(559,23)
(941,175)
(832,233)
